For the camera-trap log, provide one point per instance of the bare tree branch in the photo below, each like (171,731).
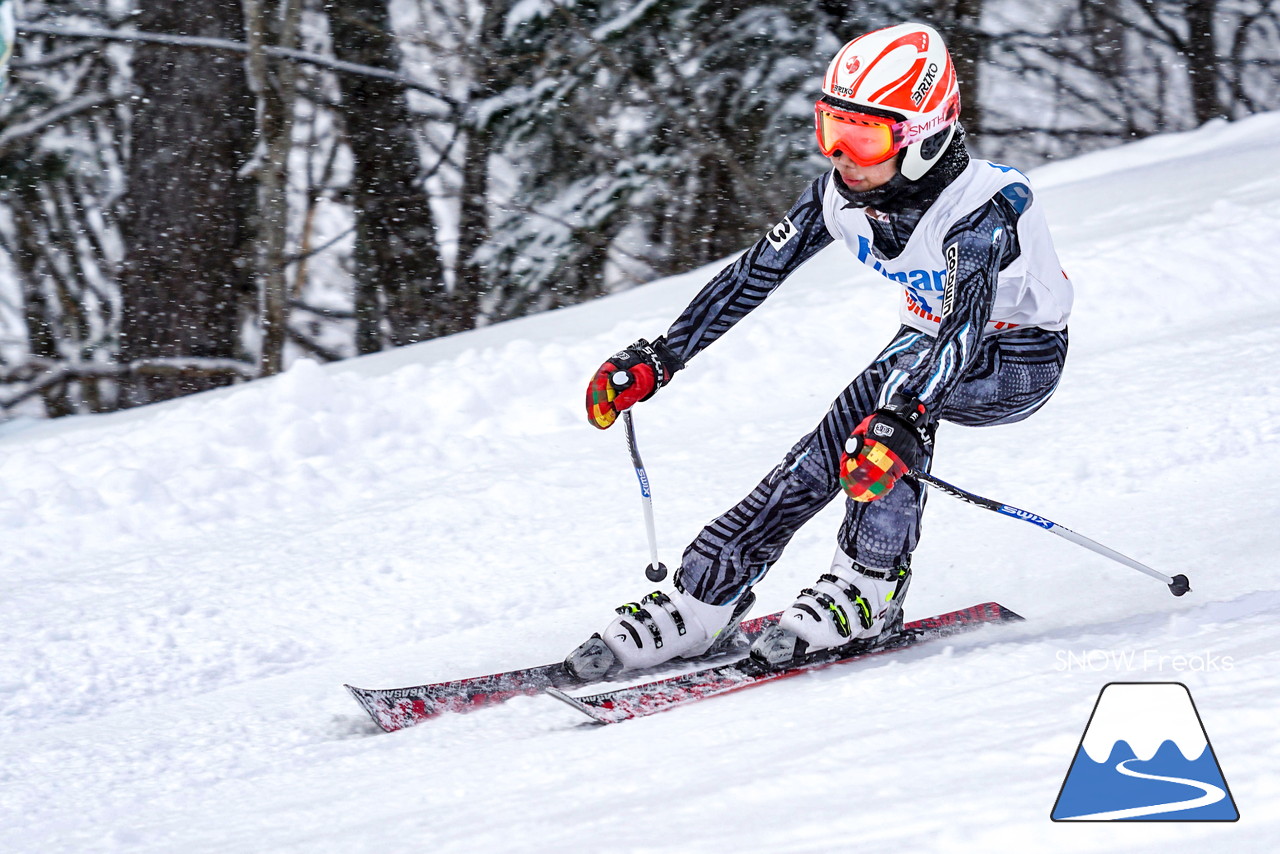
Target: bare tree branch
(314,347)
(62,112)
(200,43)
(45,374)
(56,57)
(331,313)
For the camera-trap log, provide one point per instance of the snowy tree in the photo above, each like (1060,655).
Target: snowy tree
(400,293)
(61,190)
(652,137)
(180,182)
(1077,75)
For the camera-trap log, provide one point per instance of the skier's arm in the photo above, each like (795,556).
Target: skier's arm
(745,283)
(890,441)
(977,248)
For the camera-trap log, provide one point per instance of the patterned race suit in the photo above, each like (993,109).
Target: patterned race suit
(963,365)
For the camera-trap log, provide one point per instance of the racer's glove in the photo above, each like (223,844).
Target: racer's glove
(887,444)
(629,377)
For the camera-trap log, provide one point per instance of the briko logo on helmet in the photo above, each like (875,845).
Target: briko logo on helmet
(926,83)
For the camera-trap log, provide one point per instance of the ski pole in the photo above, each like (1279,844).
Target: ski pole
(656,570)
(1178,584)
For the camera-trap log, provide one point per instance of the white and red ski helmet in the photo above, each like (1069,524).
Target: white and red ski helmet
(905,72)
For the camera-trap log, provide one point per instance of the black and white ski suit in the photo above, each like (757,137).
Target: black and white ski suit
(962,355)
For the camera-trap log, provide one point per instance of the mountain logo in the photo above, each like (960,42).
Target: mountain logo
(1145,756)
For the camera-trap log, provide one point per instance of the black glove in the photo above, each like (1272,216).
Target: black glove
(888,443)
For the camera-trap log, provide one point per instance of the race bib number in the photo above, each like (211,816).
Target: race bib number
(780,235)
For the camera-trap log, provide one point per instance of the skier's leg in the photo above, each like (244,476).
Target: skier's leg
(719,567)
(735,550)
(1013,375)
(860,597)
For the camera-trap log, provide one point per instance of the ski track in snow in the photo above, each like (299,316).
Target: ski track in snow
(185,588)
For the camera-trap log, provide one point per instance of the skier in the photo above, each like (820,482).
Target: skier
(6,41)
(983,341)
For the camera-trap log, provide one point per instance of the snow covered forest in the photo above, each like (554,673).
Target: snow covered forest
(196,194)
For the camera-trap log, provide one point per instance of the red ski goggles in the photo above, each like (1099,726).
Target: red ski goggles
(868,139)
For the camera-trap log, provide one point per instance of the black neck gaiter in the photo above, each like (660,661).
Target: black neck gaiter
(900,195)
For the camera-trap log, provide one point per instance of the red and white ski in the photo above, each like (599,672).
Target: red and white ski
(653,697)
(397,708)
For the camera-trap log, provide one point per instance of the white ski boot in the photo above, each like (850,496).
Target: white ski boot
(850,604)
(655,630)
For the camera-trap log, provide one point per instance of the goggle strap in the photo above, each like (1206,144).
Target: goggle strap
(904,132)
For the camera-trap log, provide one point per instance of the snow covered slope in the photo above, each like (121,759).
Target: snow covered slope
(184,589)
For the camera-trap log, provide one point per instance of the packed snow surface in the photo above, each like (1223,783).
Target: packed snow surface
(186,587)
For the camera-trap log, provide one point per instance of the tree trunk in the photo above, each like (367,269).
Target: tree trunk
(492,69)
(1202,61)
(185,279)
(473,222)
(400,290)
(959,21)
(275,113)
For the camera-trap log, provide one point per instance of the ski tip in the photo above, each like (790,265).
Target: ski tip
(575,703)
(986,612)
(1006,615)
(366,702)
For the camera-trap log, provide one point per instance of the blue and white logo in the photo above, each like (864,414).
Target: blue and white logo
(1145,756)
